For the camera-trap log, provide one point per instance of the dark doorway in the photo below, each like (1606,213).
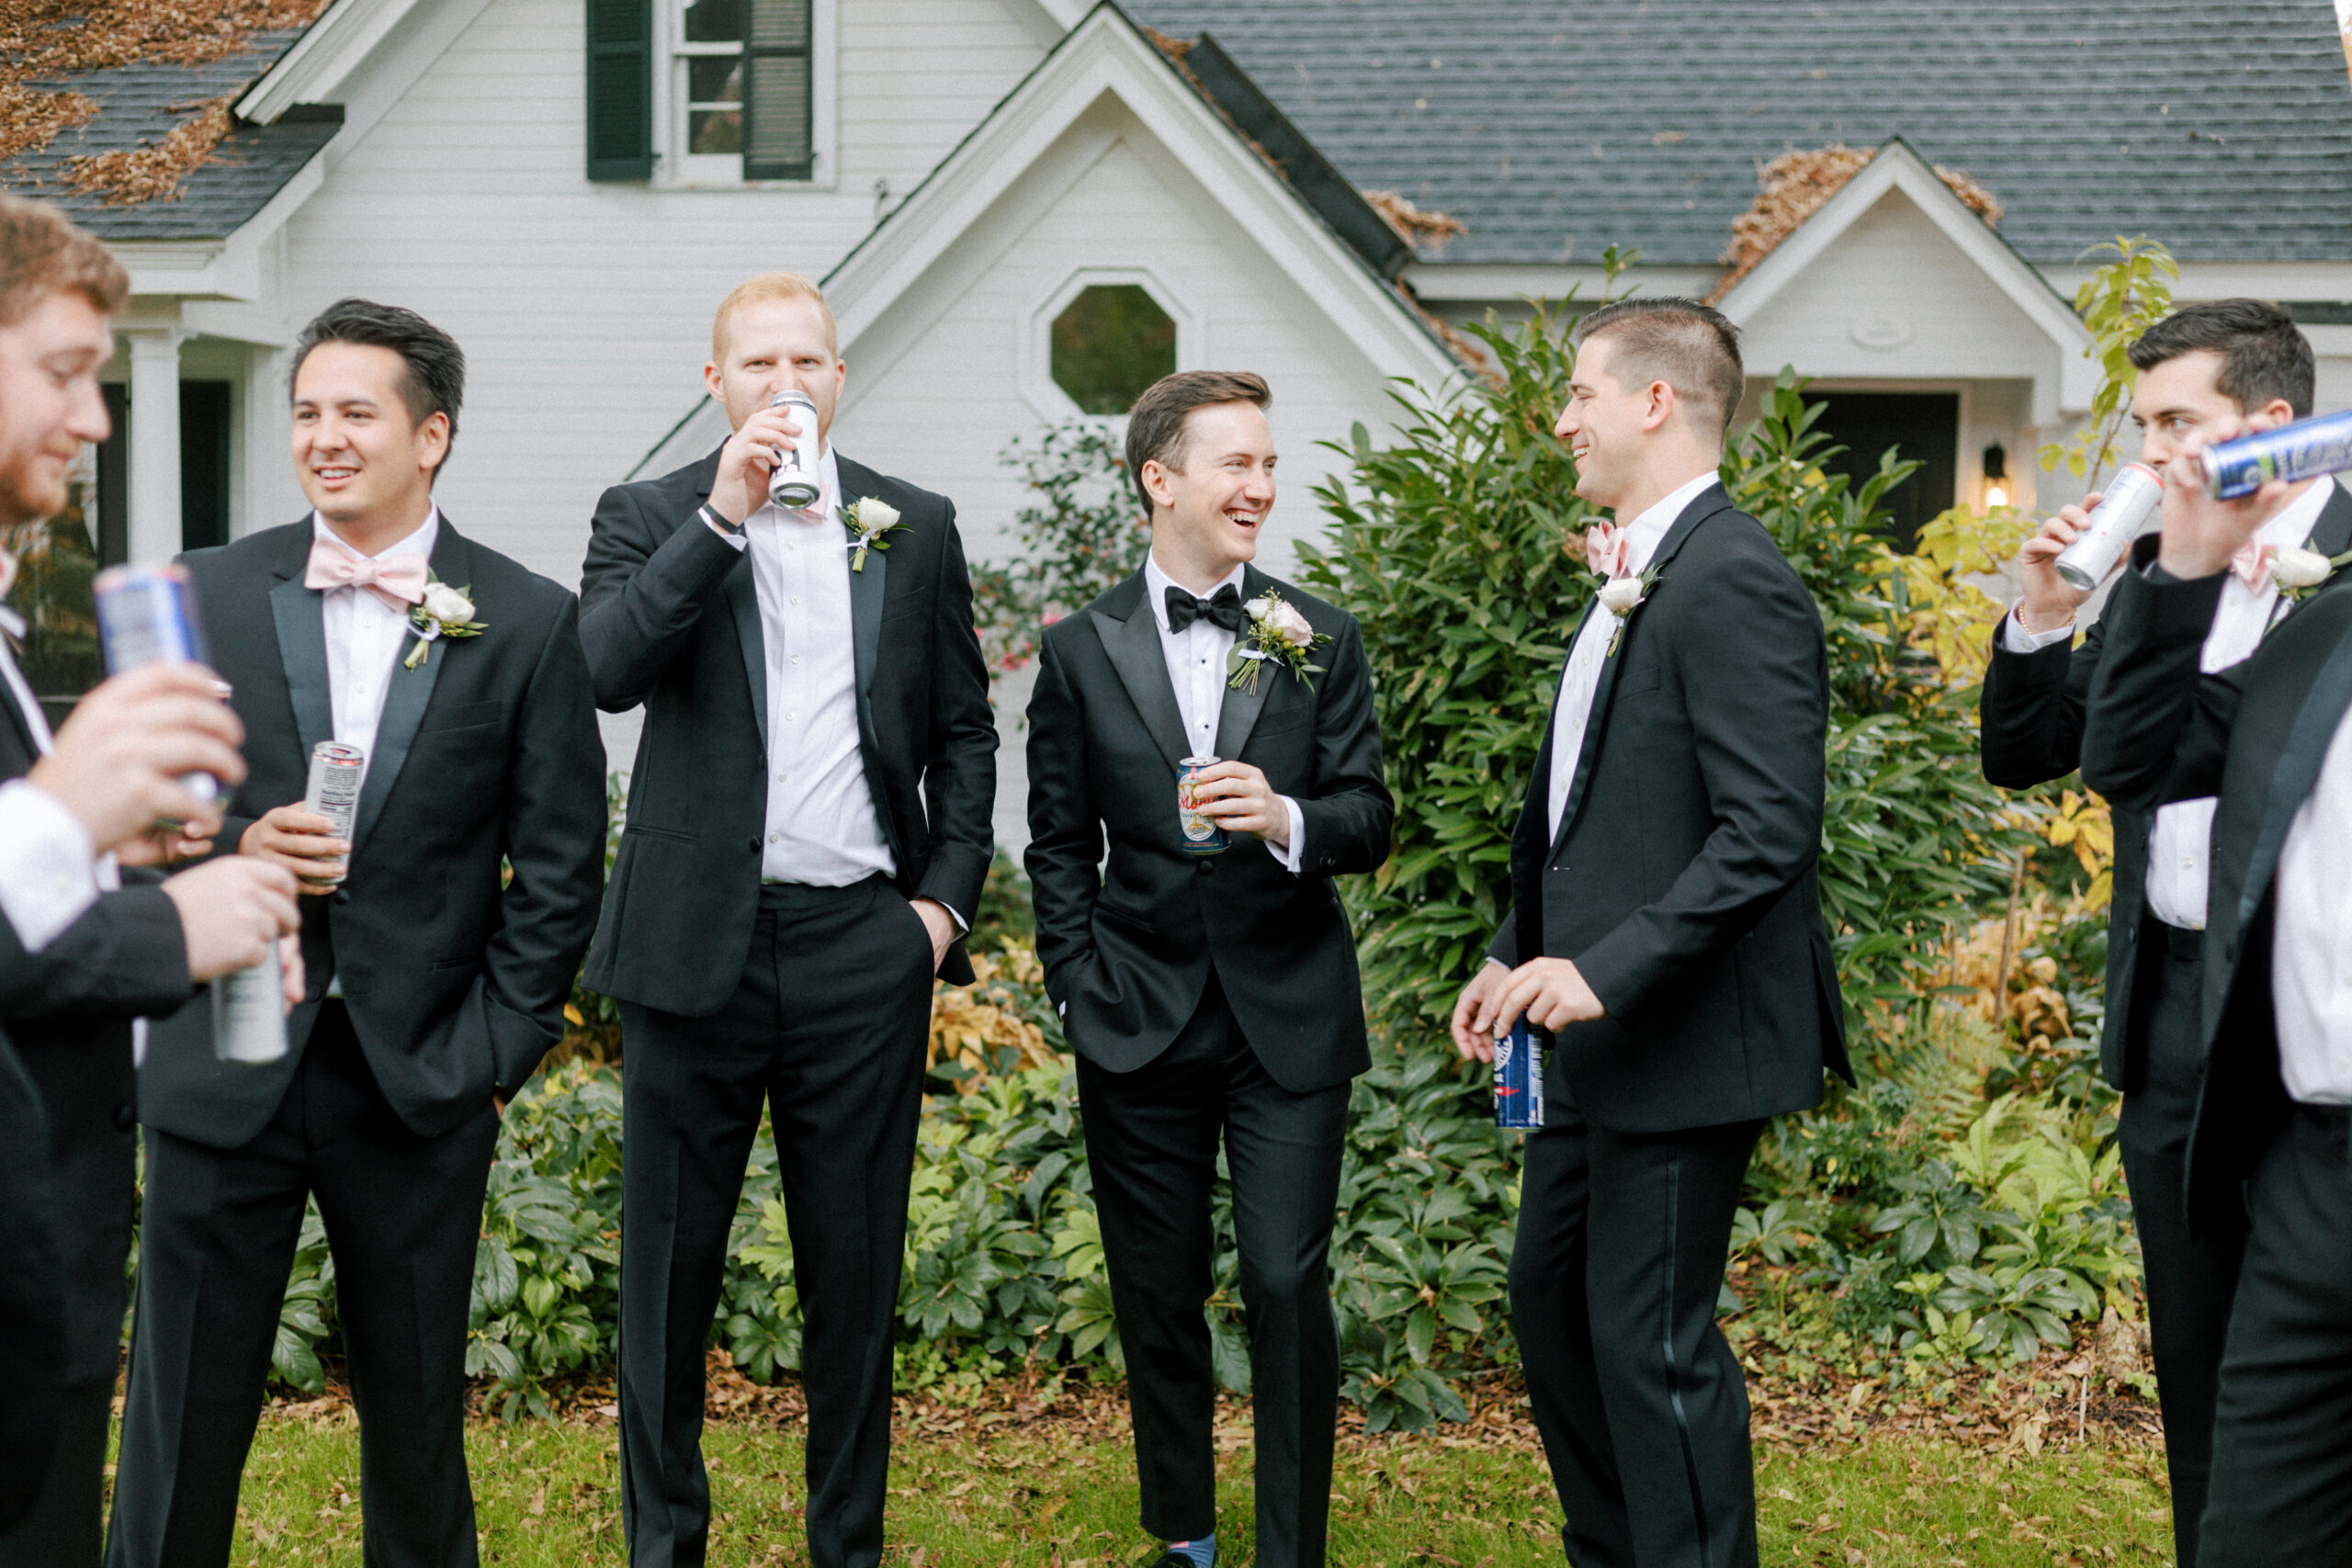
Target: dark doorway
(1922,426)
(114,479)
(204,464)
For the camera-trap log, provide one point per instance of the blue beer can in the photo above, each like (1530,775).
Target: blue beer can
(146,613)
(2303,450)
(1518,1077)
(1201,835)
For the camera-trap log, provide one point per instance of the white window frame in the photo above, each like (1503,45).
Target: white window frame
(1039,389)
(676,168)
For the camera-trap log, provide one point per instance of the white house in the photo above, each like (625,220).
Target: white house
(569,185)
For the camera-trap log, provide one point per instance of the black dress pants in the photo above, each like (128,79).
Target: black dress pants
(216,1242)
(2282,1429)
(2190,1278)
(88,1090)
(1640,1401)
(827,1029)
(1151,1143)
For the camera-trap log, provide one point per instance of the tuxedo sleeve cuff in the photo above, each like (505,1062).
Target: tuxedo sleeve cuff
(48,875)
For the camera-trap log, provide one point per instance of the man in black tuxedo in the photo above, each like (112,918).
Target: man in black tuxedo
(1210,996)
(2206,368)
(2267,739)
(85,954)
(440,945)
(1666,930)
(809,829)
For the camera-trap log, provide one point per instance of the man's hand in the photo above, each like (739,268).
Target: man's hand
(940,924)
(121,754)
(1472,1040)
(1238,799)
(2049,600)
(231,910)
(299,842)
(2201,534)
(742,487)
(1550,991)
(168,843)
(293,986)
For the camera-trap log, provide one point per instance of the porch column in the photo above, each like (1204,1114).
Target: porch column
(154,465)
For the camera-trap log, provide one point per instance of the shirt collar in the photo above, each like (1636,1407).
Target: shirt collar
(419,542)
(1156,584)
(1645,532)
(2296,520)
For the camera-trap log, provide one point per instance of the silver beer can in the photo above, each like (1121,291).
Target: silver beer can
(147,613)
(795,479)
(1201,834)
(248,1019)
(333,789)
(2131,500)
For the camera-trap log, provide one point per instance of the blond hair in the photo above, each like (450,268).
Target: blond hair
(42,253)
(770,285)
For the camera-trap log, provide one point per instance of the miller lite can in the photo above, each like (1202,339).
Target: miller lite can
(147,613)
(2303,450)
(795,480)
(2131,500)
(333,790)
(1518,1077)
(1201,835)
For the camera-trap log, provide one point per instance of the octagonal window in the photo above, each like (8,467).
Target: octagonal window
(1109,344)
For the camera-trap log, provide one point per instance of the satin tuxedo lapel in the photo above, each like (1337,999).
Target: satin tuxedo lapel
(1237,715)
(866,590)
(299,618)
(1133,647)
(411,689)
(1705,505)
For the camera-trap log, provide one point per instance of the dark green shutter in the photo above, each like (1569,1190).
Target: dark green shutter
(778,90)
(620,89)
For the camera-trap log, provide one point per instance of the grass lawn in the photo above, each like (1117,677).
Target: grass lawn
(546,1495)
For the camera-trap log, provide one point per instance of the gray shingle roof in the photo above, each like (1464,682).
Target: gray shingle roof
(1555,128)
(139,104)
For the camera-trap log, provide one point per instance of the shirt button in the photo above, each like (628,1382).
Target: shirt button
(776,837)
(784,778)
(789,716)
(795,658)
(795,599)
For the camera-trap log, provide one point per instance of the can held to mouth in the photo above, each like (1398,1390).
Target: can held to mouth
(334,791)
(147,613)
(2303,450)
(795,482)
(1201,835)
(2131,500)
(1518,1077)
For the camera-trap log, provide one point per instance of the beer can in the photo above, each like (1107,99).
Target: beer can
(1201,835)
(248,1019)
(2303,450)
(2131,500)
(795,479)
(1518,1077)
(333,789)
(147,613)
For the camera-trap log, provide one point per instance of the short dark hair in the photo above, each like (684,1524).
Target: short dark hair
(42,253)
(1156,424)
(1691,347)
(435,382)
(2263,353)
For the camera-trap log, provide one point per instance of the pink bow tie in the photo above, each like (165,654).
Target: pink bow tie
(399,582)
(2252,563)
(1606,549)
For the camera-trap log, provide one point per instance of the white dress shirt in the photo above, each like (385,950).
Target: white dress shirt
(1197,658)
(48,874)
(366,638)
(2182,835)
(1580,681)
(2311,949)
(822,826)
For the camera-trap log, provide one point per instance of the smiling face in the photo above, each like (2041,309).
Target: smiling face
(363,460)
(1608,427)
(1209,506)
(50,401)
(774,346)
(2179,406)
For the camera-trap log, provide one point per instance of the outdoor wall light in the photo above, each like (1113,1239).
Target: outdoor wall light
(1997,476)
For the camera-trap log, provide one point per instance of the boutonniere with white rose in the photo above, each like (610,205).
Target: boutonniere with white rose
(446,612)
(868,520)
(1277,632)
(1619,596)
(2300,572)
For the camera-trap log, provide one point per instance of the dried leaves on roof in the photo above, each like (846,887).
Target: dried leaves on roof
(1419,227)
(1791,188)
(43,41)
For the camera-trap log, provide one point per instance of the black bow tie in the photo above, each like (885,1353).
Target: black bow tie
(1222,608)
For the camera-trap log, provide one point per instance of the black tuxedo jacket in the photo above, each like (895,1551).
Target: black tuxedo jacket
(1682,879)
(2256,735)
(670,618)
(2030,717)
(487,758)
(1128,950)
(33,1315)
